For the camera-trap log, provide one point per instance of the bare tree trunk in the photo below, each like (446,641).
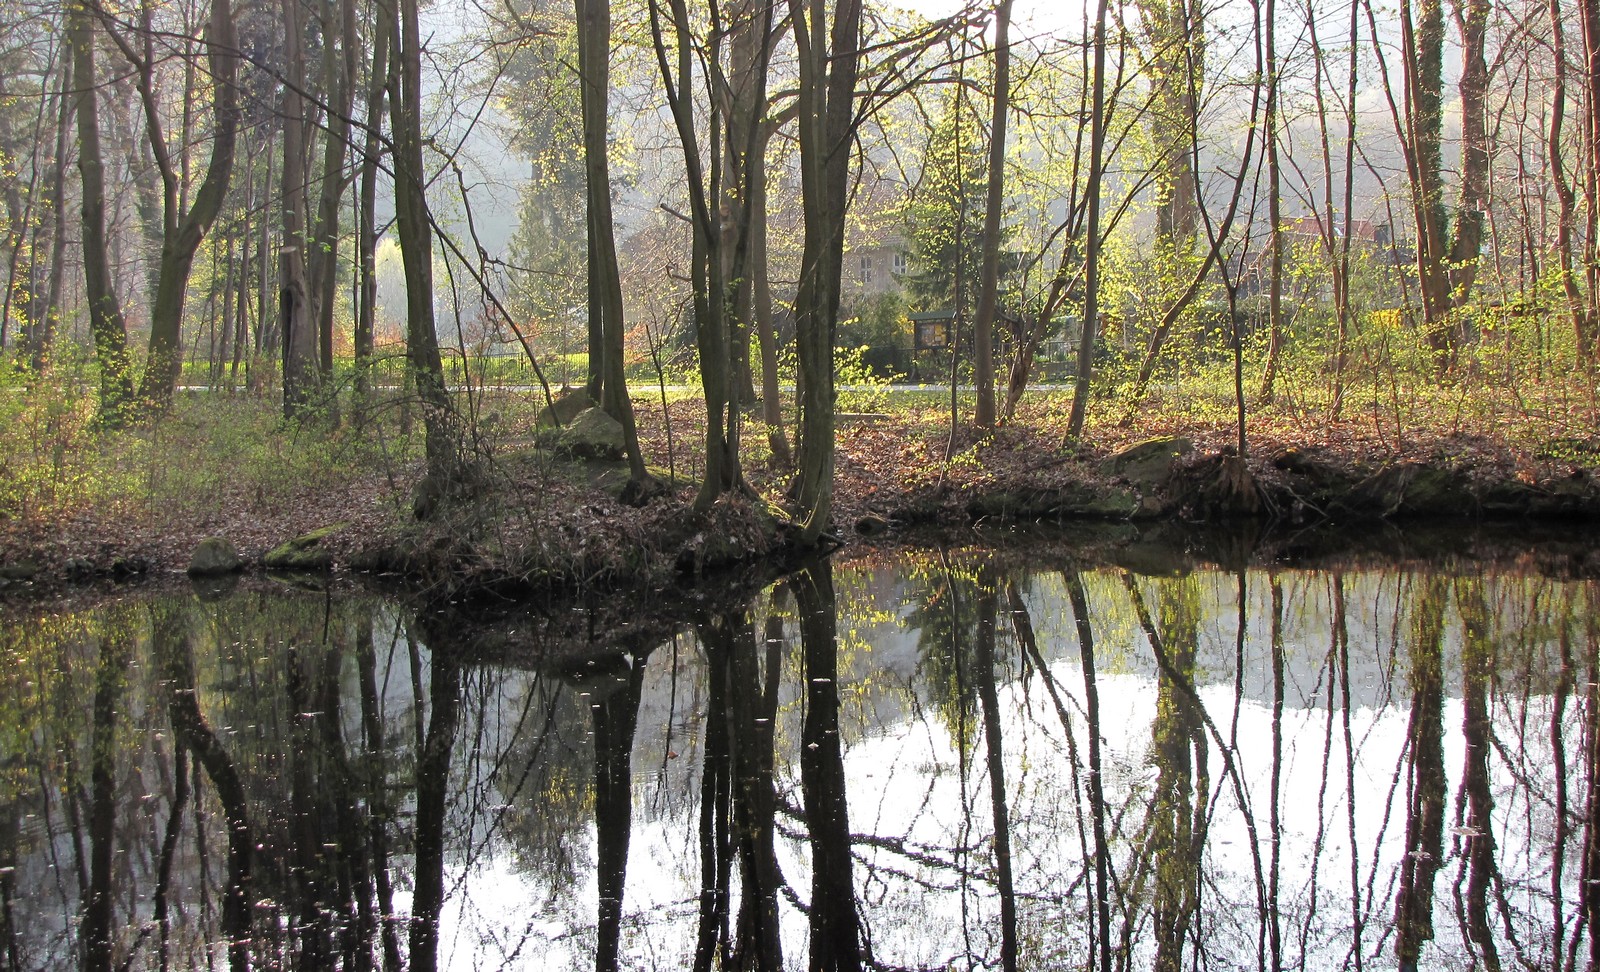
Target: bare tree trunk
(367,241)
(605,280)
(414,224)
(300,372)
(1422,50)
(45,305)
(761,313)
(339,82)
(1472,21)
(1583,323)
(105,311)
(829,65)
(989,276)
(184,223)
(1092,241)
(1274,213)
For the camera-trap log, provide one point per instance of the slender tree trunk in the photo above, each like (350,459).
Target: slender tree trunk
(1422,47)
(367,241)
(185,223)
(105,310)
(1092,241)
(829,63)
(605,280)
(1472,19)
(1269,373)
(413,222)
(989,276)
(295,322)
(761,312)
(339,82)
(45,309)
(1583,324)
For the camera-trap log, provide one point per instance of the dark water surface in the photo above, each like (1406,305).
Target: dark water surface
(934,760)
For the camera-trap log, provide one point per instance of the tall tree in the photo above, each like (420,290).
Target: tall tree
(184,222)
(608,380)
(829,56)
(295,322)
(338,29)
(379,74)
(989,279)
(1093,243)
(415,227)
(106,322)
(721,178)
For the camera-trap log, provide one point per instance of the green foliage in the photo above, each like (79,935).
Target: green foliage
(944,215)
(211,453)
(882,331)
(49,446)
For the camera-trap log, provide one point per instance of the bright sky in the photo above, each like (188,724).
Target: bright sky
(1028,17)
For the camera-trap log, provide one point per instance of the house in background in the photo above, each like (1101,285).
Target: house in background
(876,266)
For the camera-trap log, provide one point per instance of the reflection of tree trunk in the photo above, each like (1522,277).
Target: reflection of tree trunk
(169,847)
(1477,664)
(170,641)
(835,926)
(433,782)
(715,795)
(95,931)
(1274,821)
(10,827)
(1558,760)
(1341,647)
(1175,832)
(737,799)
(988,697)
(1097,800)
(1425,796)
(308,787)
(615,719)
(376,789)
(1591,817)
(755,711)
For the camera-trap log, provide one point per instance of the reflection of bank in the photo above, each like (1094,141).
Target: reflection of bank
(450,783)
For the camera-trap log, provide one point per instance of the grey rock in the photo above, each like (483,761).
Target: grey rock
(214,555)
(303,553)
(21,570)
(592,434)
(1147,465)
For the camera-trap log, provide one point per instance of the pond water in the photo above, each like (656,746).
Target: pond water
(928,760)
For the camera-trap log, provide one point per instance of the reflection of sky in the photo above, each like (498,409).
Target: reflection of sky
(925,878)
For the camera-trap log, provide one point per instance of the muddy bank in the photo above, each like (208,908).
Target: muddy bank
(531,524)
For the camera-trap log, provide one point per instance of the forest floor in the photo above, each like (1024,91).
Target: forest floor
(120,505)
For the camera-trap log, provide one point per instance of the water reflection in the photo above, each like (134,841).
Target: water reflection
(940,762)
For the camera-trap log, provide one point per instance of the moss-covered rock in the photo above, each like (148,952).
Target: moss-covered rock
(592,434)
(18,570)
(1071,501)
(1148,465)
(568,404)
(305,552)
(1415,488)
(214,556)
